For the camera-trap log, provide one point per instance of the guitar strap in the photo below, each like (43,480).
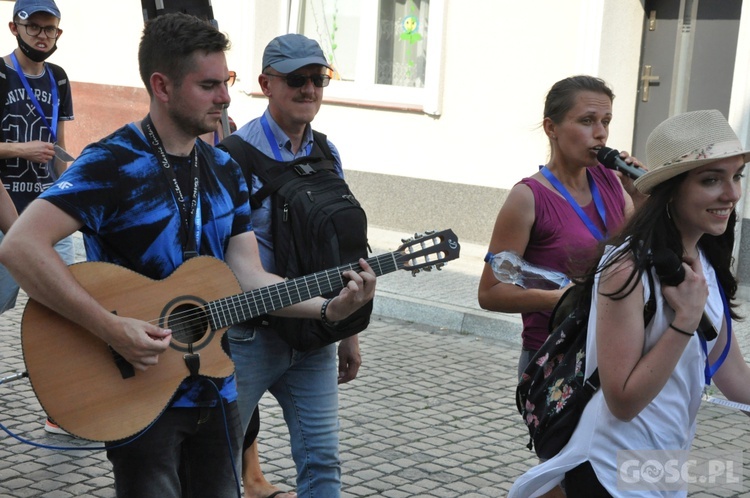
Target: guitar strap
(193,362)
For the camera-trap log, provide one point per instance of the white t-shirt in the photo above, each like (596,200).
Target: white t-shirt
(667,423)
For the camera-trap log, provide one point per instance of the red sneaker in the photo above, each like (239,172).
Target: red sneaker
(51,427)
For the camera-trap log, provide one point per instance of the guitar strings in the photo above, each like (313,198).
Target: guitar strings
(261,301)
(197,315)
(265,303)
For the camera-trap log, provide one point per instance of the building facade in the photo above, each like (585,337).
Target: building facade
(436,105)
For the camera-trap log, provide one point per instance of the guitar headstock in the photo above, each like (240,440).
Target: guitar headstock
(428,250)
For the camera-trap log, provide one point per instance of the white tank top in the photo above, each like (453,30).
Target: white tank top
(667,423)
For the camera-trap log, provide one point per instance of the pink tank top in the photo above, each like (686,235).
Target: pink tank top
(561,241)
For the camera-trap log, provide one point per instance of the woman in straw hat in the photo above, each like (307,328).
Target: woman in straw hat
(653,375)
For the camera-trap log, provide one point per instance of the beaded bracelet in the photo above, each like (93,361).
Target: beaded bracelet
(323,313)
(671,326)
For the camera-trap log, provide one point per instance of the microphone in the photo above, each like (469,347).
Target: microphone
(611,159)
(671,272)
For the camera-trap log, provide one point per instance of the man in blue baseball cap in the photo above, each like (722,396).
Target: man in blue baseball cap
(287,53)
(25,8)
(37,103)
(305,383)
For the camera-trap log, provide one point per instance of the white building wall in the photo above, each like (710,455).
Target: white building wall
(500,58)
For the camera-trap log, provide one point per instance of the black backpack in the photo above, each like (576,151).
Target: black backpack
(552,391)
(317,224)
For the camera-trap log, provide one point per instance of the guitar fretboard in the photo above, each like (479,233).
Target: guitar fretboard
(239,308)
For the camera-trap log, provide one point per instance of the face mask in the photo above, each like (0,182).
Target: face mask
(32,53)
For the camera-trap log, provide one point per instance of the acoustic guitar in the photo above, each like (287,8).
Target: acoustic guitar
(94,393)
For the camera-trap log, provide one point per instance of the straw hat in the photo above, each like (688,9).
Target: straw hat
(686,141)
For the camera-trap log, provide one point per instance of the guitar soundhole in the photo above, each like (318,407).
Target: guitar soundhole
(188,323)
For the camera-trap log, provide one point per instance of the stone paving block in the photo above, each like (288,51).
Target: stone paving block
(395,493)
(431,414)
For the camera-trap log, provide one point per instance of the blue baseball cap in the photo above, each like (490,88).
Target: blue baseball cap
(287,53)
(25,8)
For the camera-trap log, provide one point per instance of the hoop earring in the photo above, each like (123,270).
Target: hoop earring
(669,215)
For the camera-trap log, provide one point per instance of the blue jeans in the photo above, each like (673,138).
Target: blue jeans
(187,453)
(8,285)
(306,387)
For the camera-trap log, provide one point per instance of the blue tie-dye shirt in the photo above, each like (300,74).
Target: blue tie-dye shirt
(119,191)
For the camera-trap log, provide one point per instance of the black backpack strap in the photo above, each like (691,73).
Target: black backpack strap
(237,148)
(592,384)
(3,83)
(3,93)
(59,74)
(649,309)
(275,178)
(321,140)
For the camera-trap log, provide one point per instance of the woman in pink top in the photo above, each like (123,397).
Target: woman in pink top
(556,217)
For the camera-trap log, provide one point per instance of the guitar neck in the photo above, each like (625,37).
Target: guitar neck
(239,308)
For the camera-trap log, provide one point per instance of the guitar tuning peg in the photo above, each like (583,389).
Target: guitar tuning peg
(439,266)
(407,240)
(427,268)
(414,272)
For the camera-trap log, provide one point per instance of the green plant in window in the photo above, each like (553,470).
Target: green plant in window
(333,30)
(410,25)
(410,34)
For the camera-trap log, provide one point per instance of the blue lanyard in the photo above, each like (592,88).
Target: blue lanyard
(710,370)
(55,103)
(581,214)
(272,140)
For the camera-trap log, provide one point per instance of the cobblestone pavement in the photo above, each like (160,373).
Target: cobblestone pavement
(431,413)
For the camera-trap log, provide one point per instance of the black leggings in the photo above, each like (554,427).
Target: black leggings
(252,430)
(582,481)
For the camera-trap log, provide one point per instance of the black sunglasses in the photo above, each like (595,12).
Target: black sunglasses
(299,80)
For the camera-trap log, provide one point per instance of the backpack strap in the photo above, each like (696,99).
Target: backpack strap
(274,178)
(60,76)
(593,383)
(321,140)
(3,84)
(58,73)
(237,148)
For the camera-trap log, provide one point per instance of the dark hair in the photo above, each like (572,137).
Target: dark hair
(561,97)
(651,227)
(169,42)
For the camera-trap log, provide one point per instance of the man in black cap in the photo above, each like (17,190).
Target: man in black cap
(295,72)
